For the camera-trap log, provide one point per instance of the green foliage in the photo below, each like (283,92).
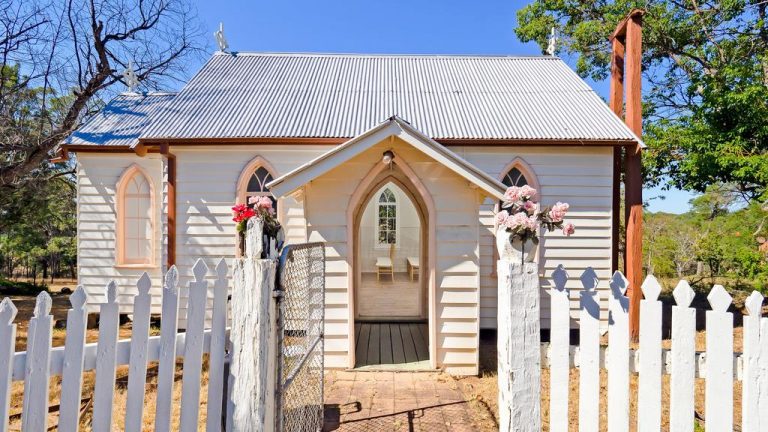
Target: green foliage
(705,76)
(37,218)
(713,240)
(16,288)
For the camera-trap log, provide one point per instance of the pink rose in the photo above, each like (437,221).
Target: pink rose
(569,229)
(516,220)
(512,194)
(501,217)
(529,206)
(532,223)
(528,192)
(264,203)
(558,211)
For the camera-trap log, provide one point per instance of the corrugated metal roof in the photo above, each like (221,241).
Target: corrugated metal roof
(342,95)
(121,121)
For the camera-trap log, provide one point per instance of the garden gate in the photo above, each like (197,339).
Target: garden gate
(300,295)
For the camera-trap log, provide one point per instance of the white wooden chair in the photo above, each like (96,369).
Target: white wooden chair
(385,265)
(413,267)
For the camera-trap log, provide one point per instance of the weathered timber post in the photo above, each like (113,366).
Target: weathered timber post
(519,355)
(252,372)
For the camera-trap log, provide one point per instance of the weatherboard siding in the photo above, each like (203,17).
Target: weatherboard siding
(97,177)
(206,189)
(580,176)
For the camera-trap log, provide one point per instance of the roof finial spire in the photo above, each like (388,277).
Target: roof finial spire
(220,39)
(552,43)
(130,78)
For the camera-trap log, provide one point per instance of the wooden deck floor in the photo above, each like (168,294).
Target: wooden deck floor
(391,345)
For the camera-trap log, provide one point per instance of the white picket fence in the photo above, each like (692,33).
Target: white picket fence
(719,365)
(36,365)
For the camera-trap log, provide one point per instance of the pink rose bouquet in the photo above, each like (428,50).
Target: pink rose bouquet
(521,216)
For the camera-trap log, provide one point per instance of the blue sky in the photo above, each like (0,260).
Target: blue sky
(393,26)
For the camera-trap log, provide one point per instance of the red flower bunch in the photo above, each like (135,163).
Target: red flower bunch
(242,213)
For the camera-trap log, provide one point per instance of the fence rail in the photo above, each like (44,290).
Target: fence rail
(36,365)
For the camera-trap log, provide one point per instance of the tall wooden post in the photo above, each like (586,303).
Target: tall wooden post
(616,102)
(627,62)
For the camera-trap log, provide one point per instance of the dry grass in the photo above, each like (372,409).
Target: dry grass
(121,393)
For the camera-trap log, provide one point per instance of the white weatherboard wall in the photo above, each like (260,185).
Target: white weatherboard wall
(97,177)
(206,183)
(580,176)
(457,261)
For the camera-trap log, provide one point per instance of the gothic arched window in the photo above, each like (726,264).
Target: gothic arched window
(386,226)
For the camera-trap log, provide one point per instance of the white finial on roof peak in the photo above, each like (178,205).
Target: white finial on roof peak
(220,39)
(130,78)
(552,43)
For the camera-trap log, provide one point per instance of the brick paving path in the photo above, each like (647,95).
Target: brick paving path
(395,401)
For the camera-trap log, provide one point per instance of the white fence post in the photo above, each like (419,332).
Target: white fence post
(34,415)
(683,359)
(72,373)
(166,368)
(589,353)
(559,351)
(618,355)
(519,347)
(718,409)
(649,387)
(750,410)
(137,371)
(252,336)
(7,348)
(763,380)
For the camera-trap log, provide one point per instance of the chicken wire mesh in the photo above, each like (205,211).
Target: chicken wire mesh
(301,296)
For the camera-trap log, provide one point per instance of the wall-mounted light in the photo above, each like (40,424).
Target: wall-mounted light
(387,157)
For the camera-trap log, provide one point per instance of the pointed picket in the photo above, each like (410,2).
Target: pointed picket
(559,351)
(72,372)
(618,355)
(193,349)
(683,363)
(104,391)
(166,368)
(7,348)
(750,410)
(34,415)
(218,345)
(589,353)
(137,370)
(649,387)
(718,408)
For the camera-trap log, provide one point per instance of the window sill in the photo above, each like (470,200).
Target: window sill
(136,266)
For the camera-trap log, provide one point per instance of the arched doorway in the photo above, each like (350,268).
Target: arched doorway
(392,272)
